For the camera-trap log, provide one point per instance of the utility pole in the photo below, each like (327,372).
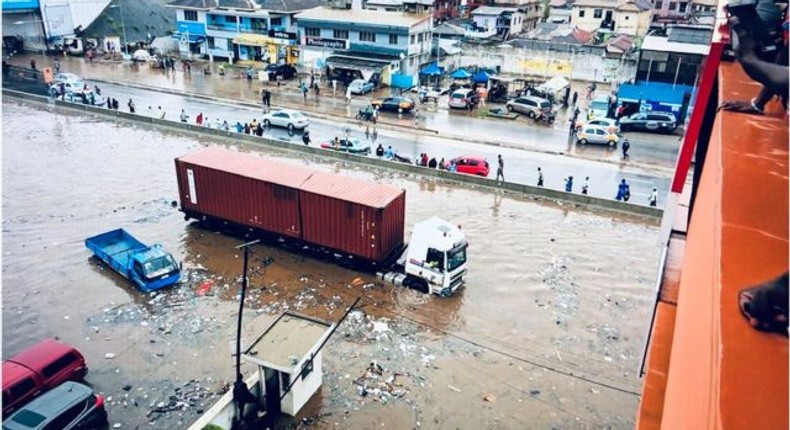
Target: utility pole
(240,389)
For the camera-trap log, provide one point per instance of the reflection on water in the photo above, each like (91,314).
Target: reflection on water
(548,282)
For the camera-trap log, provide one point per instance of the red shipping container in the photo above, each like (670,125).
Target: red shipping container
(241,188)
(360,218)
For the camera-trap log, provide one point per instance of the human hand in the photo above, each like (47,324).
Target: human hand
(742,106)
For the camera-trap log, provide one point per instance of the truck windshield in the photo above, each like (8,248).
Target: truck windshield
(456,257)
(159,266)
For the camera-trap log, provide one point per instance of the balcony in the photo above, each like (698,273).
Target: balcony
(230,27)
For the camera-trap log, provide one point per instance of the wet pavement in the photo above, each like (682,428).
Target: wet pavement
(547,333)
(648,150)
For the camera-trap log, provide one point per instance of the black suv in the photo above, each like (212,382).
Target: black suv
(287,71)
(650,121)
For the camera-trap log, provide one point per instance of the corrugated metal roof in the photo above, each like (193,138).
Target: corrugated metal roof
(363,16)
(250,166)
(352,190)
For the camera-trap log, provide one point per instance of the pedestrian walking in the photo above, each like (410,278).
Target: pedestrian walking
(540,178)
(161,112)
(206,122)
(623,191)
(586,185)
(653,199)
(263,99)
(500,171)
(184,117)
(626,147)
(379,151)
(453,167)
(317,91)
(575,97)
(432,163)
(348,94)
(569,184)
(57,66)
(375,133)
(33,63)
(334,87)
(304,91)
(131,106)
(367,131)
(312,79)
(199,119)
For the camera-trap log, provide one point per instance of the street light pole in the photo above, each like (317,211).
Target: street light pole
(123,27)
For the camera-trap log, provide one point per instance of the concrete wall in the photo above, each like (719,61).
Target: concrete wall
(223,411)
(472,181)
(304,389)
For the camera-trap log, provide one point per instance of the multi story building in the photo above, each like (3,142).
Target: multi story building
(506,21)
(631,17)
(389,47)
(240,29)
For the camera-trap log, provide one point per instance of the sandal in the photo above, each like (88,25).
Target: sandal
(765,306)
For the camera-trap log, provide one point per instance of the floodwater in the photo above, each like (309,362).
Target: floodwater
(547,333)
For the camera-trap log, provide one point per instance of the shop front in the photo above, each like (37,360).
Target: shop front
(276,47)
(191,38)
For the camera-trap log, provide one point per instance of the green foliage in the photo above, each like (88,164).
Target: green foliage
(212,427)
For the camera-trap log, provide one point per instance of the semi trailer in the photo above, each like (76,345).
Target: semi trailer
(349,219)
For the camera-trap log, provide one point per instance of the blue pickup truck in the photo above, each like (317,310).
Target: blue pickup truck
(149,267)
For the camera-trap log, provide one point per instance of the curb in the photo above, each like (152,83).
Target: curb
(387,125)
(490,184)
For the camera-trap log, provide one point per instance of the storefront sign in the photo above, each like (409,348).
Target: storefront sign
(323,42)
(20,4)
(282,35)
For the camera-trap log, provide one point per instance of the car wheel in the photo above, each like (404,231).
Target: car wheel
(290,127)
(583,141)
(612,143)
(510,108)
(531,115)
(267,123)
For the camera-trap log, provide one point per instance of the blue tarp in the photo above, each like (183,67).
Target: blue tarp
(401,81)
(432,69)
(461,74)
(481,77)
(654,93)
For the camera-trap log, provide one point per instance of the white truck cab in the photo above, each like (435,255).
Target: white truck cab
(436,256)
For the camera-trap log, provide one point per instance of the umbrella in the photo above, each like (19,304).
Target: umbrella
(461,74)
(432,69)
(481,77)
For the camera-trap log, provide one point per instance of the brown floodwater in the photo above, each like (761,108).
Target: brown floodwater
(549,327)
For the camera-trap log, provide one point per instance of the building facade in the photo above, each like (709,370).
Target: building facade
(389,47)
(240,30)
(675,58)
(631,17)
(506,21)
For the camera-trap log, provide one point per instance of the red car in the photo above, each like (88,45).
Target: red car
(471,165)
(37,369)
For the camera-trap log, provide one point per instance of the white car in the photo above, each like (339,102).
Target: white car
(69,86)
(598,107)
(141,55)
(596,134)
(611,125)
(360,86)
(288,118)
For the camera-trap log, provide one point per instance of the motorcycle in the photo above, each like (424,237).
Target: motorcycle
(365,114)
(546,118)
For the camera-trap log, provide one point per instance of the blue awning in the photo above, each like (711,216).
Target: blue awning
(461,74)
(481,77)
(658,92)
(432,69)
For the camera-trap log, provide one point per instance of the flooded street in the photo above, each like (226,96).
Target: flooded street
(547,333)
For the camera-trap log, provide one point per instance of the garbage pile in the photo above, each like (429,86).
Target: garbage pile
(374,383)
(192,396)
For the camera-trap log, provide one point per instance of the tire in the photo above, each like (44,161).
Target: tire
(290,127)
(612,143)
(359,117)
(510,108)
(267,123)
(531,114)
(583,141)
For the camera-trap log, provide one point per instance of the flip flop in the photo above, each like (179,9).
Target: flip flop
(765,306)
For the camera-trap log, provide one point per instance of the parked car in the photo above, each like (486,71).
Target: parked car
(529,105)
(463,98)
(360,86)
(611,125)
(76,97)
(394,104)
(69,406)
(286,71)
(596,134)
(70,81)
(288,118)
(352,145)
(598,107)
(39,368)
(650,121)
(471,165)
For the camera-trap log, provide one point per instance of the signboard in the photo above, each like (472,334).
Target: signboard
(282,35)
(20,4)
(323,42)
(58,18)
(193,28)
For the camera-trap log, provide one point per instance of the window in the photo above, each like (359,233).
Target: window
(393,39)
(285,378)
(67,417)
(312,32)
(597,13)
(435,259)
(23,387)
(627,17)
(278,22)
(340,34)
(210,41)
(419,38)
(58,365)
(660,4)
(411,39)
(366,36)
(673,5)
(190,15)
(229,45)
(581,13)
(683,7)
(230,19)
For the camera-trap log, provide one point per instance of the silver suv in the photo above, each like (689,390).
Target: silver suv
(532,106)
(650,121)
